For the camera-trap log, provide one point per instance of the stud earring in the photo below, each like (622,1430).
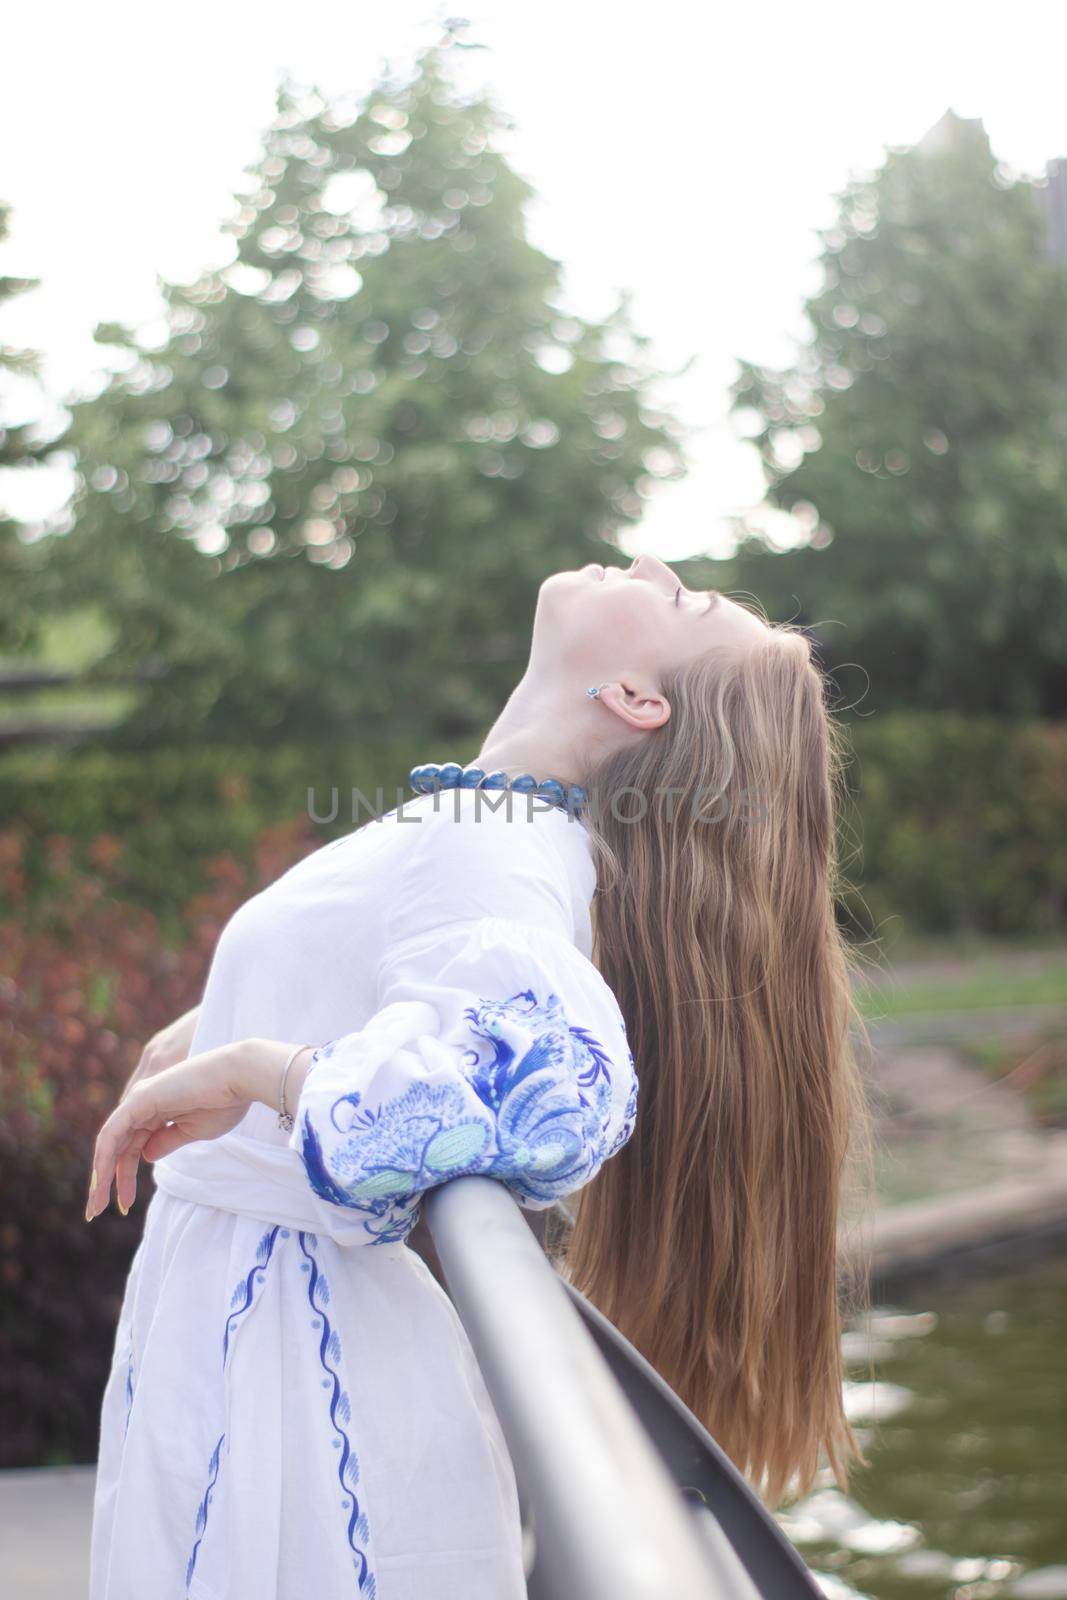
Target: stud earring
(595,689)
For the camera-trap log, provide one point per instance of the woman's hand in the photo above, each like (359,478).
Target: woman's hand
(200,1098)
(165,1049)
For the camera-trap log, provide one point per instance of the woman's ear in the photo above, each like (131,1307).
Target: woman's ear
(640,706)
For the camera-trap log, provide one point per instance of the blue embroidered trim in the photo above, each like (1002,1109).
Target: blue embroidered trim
(240,1301)
(242,1295)
(129,1390)
(340,1407)
(201,1515)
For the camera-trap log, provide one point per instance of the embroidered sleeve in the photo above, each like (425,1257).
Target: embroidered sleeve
(497,1049)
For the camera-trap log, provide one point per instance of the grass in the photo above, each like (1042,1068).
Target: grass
(988,985)
(963,973)
(68,644)
(70,641)
(45,708)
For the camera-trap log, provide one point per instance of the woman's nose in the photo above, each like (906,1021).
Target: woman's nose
(649,566)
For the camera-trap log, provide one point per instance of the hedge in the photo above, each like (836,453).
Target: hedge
(164,815)
(957,823)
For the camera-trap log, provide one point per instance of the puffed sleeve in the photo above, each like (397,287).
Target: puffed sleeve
(496,1048)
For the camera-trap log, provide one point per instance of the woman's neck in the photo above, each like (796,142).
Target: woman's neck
(536,733)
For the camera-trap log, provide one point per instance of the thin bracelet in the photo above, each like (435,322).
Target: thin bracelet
(285,1118)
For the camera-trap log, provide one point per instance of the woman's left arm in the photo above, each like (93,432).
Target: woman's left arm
(202,1097)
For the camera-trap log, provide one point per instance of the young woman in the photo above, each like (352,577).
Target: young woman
(636,980)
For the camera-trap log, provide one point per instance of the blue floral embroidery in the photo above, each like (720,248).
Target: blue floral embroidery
(598,1058)
(546,1092)
(357,1528)
(629,1121)
(201,1515)
(395,1229)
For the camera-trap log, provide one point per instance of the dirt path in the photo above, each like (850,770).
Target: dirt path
(943,1125)
(962,1165)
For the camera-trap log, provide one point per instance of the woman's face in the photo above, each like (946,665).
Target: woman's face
(606,622)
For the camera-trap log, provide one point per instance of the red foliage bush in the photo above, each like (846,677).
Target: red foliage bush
(87,978)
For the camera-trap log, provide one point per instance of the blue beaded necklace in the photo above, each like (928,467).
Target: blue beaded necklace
(450,775)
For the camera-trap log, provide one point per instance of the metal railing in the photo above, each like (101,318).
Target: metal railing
(609,1518)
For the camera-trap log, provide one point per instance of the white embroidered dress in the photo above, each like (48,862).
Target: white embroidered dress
(293,1408)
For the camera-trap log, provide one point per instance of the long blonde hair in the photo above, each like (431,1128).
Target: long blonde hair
(711,1238)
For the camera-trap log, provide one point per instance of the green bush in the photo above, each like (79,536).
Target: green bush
(85,980)
(961,824)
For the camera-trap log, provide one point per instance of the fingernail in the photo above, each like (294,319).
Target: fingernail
(88,1215)
(124,1209)
(92,1181)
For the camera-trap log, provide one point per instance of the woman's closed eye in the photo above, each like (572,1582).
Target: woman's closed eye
(678,594)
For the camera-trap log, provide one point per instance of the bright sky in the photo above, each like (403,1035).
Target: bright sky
(686,152)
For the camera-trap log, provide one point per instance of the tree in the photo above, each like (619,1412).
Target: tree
(326,500)
(920,438)
(19,448)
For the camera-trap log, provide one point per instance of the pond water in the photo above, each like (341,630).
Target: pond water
(966,1431)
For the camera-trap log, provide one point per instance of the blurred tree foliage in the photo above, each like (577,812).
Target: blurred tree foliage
(325,500)
(921,439)
(18,448)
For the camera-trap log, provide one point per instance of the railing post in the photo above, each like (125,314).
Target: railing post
(608,1521)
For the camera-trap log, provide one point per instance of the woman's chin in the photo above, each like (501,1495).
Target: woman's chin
(561,623)
(556,587)
(574,577)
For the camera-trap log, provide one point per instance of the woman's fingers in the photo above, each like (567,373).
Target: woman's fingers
(204,1095)
(164,1140)
(126,1169)
(137,1114)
